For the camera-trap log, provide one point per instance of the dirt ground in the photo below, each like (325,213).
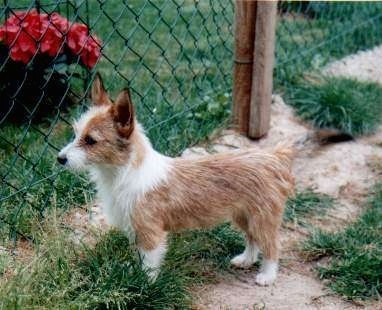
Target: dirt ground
(364,66)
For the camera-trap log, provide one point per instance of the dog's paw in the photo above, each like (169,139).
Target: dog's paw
(265,279)
(152,274)
(242,261)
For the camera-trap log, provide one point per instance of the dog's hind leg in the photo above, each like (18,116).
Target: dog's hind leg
(267,238)
(251,252)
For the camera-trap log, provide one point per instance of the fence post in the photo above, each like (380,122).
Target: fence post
(245,16)
(262,75)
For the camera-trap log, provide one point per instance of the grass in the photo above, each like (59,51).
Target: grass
(351,106)
(310,35)
(354,269)
(313,34)
(108,275)
(306,203)
(175,56)
(175,61)
(32,180)
(5,262)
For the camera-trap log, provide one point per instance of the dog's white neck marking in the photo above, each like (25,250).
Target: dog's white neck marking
(119,187)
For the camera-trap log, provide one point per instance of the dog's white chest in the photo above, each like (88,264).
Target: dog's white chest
(118,213)
(116,201)
(119,189)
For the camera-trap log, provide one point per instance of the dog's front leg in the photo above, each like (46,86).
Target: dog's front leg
(152,253)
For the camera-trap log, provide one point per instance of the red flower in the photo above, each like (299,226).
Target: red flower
(19,33)
(51,42)
(61,23)
(29,33)
(91,52)
(83,44)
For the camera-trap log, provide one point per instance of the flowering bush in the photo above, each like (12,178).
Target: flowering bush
(36,50)
(27,34)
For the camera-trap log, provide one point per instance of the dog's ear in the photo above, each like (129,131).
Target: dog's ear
(123,113)
(98,93)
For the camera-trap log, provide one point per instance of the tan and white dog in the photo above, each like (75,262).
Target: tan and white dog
(147,194)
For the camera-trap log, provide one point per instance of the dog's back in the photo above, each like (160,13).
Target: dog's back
(205,191)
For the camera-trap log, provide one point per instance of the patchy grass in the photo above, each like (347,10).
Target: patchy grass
(32,179)
(348,105)
(305,204)
(354,269)
(109,275)
(312,34)
(5,262)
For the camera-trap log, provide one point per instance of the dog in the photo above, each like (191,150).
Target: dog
(147,195)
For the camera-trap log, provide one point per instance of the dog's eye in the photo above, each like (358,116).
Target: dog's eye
(89,140)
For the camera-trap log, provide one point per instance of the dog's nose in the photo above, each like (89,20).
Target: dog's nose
(62,160)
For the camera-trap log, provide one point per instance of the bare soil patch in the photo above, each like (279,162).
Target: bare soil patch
(363,66)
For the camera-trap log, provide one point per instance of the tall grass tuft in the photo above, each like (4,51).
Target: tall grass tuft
(345,104)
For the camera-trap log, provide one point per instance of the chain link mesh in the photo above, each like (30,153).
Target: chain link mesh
(174,55)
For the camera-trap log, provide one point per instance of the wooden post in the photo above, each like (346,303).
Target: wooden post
(245,16)
(262,76)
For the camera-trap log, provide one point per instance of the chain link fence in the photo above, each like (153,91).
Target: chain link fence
(176,57)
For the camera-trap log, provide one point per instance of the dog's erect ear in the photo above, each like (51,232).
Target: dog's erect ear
(123,113)
(98,93)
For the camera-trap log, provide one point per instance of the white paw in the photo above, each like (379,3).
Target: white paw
(264,278)
(242,261)
(152,274)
